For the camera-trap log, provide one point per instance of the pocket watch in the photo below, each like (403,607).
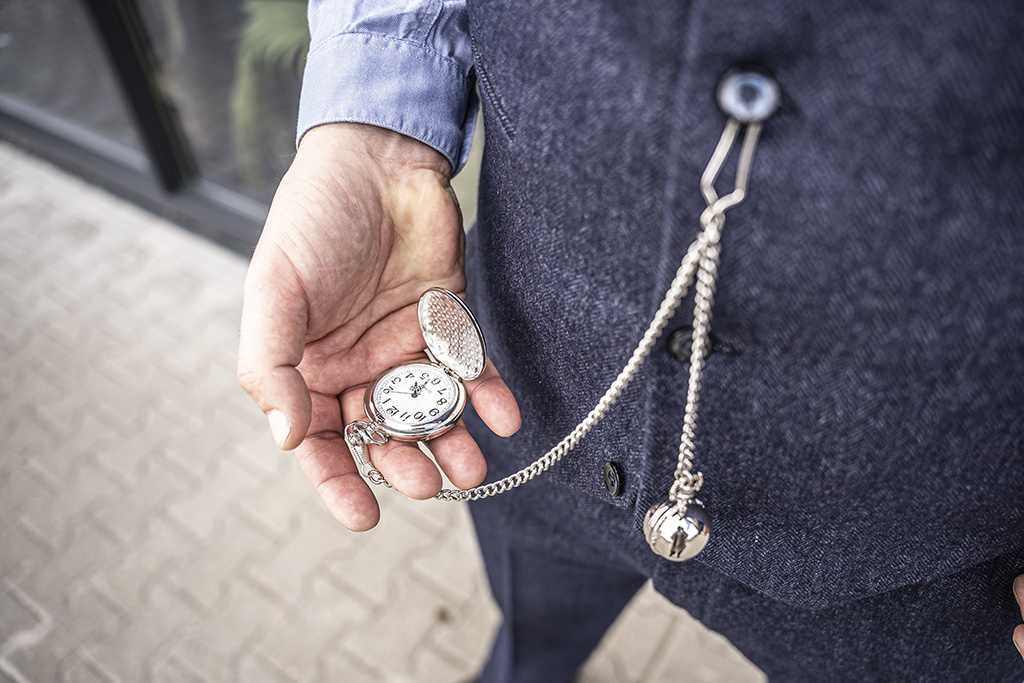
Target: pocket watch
(422,399)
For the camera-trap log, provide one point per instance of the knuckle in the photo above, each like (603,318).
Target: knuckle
(248,377)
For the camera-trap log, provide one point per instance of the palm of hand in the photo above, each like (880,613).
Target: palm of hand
(365,250)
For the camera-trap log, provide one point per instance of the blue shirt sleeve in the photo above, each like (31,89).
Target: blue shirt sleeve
(405,65)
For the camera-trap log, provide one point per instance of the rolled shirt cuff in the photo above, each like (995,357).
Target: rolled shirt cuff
(391,83)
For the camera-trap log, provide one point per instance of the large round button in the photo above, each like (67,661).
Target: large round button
(747,95)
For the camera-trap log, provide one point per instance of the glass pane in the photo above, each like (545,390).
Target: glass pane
(51,60)
(233,70)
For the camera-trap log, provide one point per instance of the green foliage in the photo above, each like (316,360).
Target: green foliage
(275,33)
(272,45)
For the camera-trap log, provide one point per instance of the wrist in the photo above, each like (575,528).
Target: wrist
(394,152)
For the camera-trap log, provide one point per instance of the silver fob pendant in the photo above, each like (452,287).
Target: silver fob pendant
(676,536)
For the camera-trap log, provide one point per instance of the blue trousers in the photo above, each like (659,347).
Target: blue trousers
(562,566)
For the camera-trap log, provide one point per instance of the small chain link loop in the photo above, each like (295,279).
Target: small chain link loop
(358,435)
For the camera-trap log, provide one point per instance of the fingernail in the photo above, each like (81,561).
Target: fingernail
(279,427)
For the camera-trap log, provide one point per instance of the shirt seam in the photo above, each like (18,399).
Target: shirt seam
(425,20)
(458,76)
(425,135)
(492,91)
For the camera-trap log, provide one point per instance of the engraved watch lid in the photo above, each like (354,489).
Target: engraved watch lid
(451,332)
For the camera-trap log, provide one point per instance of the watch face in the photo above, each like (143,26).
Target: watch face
(415,401)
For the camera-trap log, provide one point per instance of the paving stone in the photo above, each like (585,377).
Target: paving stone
(719,662)
(297,644)
(453,564)
(80,554)
(32,500)
(223,428)
(207,577)
(16,616)
(144,638)
(215,642)
(71,497)
(81,669)
(60,655)
(20,651)
(275,505)
(145,563)
(461,638)
(377,560)
(169,412)
(392,639)
(192,409)
(173,669)
(317,543)
(256,668)
(128,456)
(431,664)
(22,550)
(26,431)
(126,516)
(257,454)
(201,509)
(432,516)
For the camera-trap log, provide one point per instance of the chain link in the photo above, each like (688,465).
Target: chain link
(358,435)
(687,483)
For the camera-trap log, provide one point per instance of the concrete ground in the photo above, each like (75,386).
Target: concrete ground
(151,531)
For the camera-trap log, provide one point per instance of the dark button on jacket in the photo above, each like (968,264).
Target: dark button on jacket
(613,480)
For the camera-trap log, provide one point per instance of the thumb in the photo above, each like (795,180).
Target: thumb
(271,342)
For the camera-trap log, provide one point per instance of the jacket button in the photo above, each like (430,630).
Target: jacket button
(680,344)
(748,95)
(613,480)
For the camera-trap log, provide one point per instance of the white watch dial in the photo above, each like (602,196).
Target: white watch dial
(416,400)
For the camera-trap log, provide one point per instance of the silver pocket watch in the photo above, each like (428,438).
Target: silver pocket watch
(422,399)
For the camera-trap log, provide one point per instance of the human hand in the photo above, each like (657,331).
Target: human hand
(364,221)
(1018,633)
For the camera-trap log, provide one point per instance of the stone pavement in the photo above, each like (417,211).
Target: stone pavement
(150,530)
